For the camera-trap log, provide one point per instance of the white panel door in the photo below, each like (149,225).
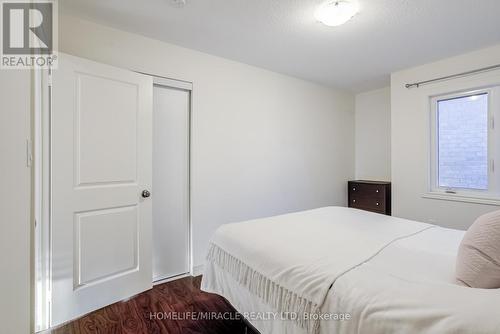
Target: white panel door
(101,156)
(170,182)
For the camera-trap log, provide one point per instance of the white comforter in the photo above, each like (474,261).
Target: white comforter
(408,287)
(291,261)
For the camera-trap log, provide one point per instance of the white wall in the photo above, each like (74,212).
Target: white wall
(373,135)
(263,143)
(411,138)
(15,230)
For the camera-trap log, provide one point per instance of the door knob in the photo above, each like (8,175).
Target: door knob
(146,193)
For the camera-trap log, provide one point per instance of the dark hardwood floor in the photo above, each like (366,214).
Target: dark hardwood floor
(149,312)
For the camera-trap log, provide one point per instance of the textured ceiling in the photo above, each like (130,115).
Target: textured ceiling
(282,35)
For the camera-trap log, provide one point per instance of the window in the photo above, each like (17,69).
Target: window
(463,144)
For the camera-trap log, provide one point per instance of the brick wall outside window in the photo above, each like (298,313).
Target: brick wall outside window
(463,142)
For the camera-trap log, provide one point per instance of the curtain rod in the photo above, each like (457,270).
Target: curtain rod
(459,75)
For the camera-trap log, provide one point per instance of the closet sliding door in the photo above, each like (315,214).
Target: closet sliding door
(171,118)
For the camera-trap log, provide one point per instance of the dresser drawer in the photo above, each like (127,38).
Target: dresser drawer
(370,196)
(367,190)
(363,202)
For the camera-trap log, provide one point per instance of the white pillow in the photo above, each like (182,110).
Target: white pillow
(478,260)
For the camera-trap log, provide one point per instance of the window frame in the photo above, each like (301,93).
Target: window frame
(493,191)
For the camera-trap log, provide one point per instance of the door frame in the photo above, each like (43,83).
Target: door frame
(41,277)
(41,187)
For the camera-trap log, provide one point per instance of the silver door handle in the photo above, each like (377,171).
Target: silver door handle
(146,193)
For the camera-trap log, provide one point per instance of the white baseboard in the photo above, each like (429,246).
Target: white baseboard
(198,270)
(169,279)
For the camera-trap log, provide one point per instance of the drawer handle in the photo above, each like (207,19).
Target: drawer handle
(377,204)
(353,189)
(354,201)
(376,191)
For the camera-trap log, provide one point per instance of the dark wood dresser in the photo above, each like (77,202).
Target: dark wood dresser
(372,196)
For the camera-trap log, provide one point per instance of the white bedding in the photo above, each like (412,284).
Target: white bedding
(408,287)
(290,266)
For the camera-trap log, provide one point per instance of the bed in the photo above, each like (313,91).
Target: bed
(341,270)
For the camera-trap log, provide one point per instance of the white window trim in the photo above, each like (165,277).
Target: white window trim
(487,200)
(490,196)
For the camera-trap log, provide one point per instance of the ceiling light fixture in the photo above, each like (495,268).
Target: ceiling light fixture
(178,3)
(336,12)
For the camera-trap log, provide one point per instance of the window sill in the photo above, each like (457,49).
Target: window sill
(462,198)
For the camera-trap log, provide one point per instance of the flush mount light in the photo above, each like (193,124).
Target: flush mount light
(336,12)
(178,3)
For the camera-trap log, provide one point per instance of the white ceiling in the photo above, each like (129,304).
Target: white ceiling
(282,35)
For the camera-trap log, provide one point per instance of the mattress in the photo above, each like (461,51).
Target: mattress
(408,287)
